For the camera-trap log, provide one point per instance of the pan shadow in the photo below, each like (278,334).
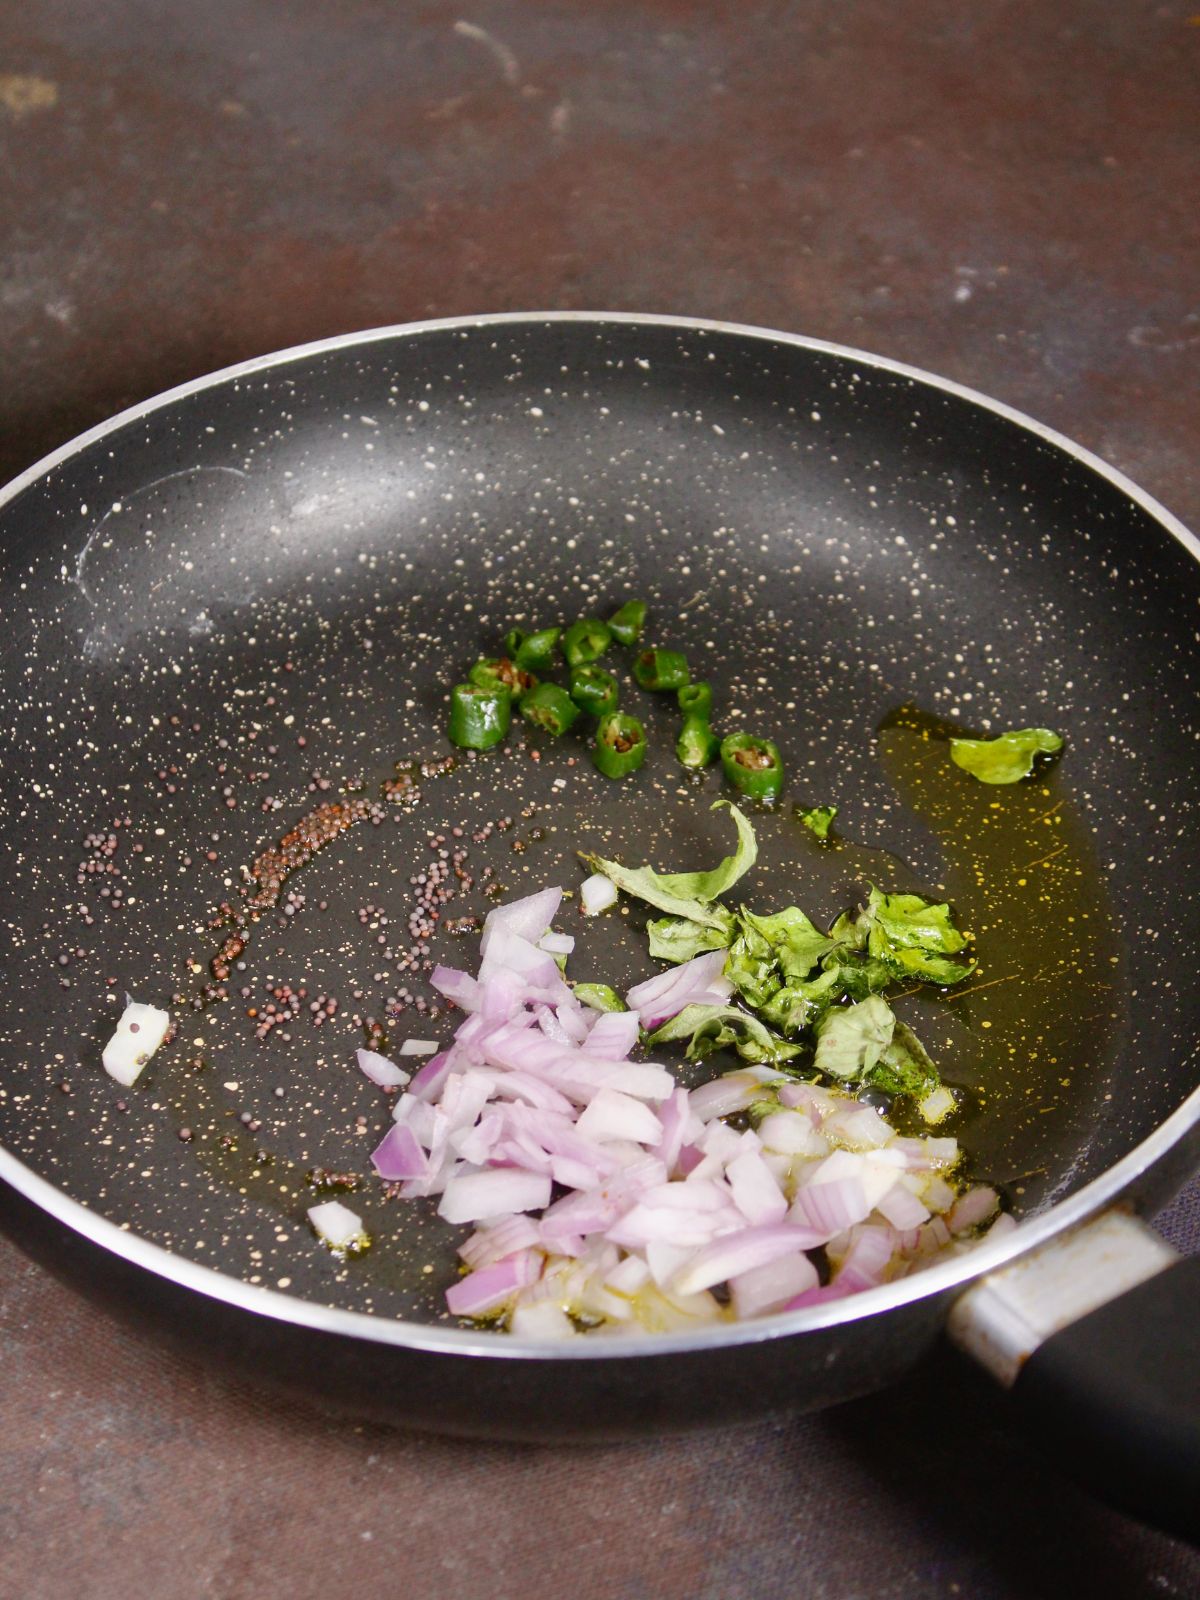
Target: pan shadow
(943,1449)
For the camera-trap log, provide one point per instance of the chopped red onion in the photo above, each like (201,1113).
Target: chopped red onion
(487,1245)
(829,1207)
(771,1286)
(664,1200)
(458,986)
(427,1084)
(399,1155)
(613,1034)
(574,1021)
(792,1133)
(491,1287)
(695,982)
(817,1297)
(723,1096)
(337,1226)
(860,1127)
(865,1263)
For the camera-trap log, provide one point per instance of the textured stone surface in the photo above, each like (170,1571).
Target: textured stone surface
(1004,194)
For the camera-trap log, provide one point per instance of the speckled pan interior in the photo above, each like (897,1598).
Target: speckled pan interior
(251,598)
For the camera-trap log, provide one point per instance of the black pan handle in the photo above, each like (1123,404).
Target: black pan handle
(1097,1335)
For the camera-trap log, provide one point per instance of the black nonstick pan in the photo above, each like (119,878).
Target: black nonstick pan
(245,600)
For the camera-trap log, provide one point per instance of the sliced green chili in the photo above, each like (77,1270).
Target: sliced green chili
(661,669)
(479,716)
(594,690)
(695,700)
(697,744)
(753,766)
(585,640)
(620,746)
(549,707)
(626,623)
(533,651)
(501,673)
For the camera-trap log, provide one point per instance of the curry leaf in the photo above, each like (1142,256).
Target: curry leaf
(851,1039)
(687,894)
(905,1067)
(599,996)
(906,921)
(709,1028)
(1006,759)
(797,944)
(818,819)
(679,938)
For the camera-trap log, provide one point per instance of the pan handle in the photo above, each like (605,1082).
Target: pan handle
(1097,1335)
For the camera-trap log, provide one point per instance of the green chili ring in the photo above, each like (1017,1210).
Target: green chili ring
(627,622)
(479,716)
(697,744)
(501,673)
(753,766)
(661,670)
(533,651)
(695,700)
(550,708)
(585,641)
(620,746)
(594,690)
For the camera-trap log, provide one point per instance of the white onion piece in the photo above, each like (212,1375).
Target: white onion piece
(613,1034)
(556,944)
(528,918)
(139,1032)
(901,1208)
(860,1127)
(972,1208)
(597,894)
(755,1192)
(544,1320)
(613,1115)
(791,1133)
(337,1226)
(936,1105)
(419,1047)
(740,1252)
(382,1072)
(493,1194)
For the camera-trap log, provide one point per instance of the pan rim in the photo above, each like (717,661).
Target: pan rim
(933,1281)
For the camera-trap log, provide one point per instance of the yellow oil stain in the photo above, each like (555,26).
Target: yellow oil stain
(22,94)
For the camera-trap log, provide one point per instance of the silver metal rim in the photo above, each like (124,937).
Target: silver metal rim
(932,1281)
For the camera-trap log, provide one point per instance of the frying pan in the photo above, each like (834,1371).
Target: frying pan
(248,596)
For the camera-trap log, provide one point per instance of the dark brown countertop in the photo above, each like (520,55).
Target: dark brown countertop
(1003,194)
